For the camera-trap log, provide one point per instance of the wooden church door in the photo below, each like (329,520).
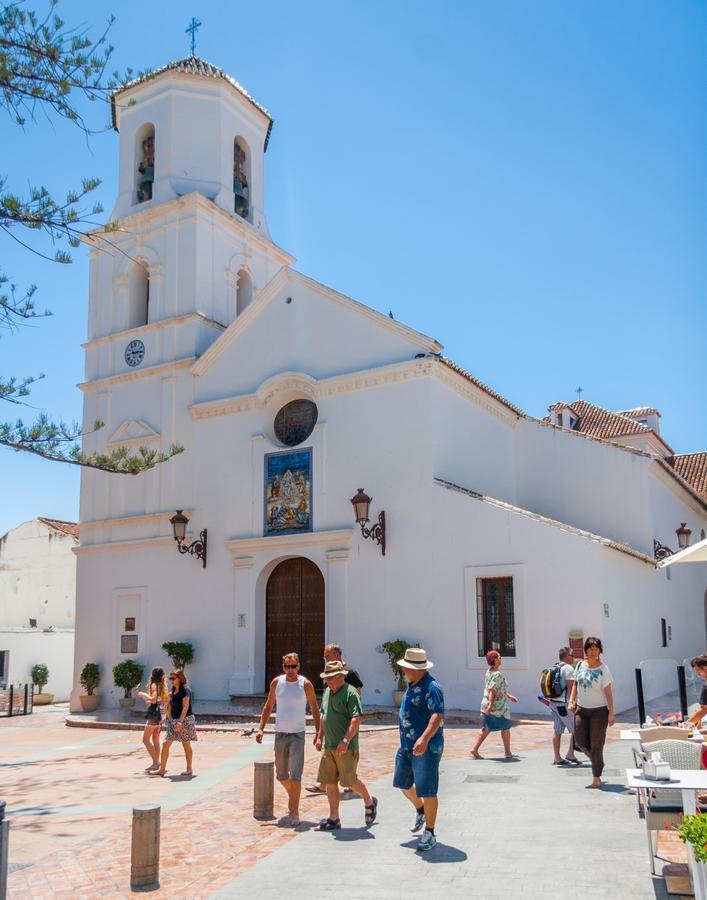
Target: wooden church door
(294,618)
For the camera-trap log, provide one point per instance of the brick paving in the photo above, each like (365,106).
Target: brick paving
(70,791)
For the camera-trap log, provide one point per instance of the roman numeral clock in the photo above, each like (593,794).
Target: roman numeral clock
(134,353)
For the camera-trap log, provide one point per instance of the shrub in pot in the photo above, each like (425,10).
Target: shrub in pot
(127,675)
(693,832)
(395,650)
(90,679)
(181,653)
(40,677)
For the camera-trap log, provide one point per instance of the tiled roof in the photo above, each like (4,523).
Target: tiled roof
(59,525)
(484,387)
(640,412)
(600,423)
(693,468)
(192,65)
(554,523)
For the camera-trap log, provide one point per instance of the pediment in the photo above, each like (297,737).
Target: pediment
(297,325)
(134,433)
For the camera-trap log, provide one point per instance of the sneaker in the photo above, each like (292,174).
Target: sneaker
(427,841)
(419,821)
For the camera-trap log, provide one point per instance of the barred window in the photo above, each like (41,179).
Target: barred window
(495,620)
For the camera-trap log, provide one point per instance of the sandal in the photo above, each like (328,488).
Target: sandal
(371,812)
(329,825)
(314,789)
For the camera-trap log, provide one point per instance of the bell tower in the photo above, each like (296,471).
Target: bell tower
(190,127)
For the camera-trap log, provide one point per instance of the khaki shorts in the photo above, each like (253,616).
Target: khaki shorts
(338,767)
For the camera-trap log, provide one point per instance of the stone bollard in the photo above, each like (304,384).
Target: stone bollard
(4,850)
(263,790)
(145,851)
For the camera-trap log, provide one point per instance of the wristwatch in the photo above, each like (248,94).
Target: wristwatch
(344,740)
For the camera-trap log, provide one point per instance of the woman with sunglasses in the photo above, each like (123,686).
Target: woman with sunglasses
(156,697)
(592,703)
(180,723)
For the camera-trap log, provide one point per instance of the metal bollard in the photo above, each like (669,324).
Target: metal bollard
(263,790)
(145,850)
(4,850)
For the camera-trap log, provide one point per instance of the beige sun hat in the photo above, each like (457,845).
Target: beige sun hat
(335,667)
(415,658)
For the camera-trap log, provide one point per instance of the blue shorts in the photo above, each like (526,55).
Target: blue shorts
(422,771)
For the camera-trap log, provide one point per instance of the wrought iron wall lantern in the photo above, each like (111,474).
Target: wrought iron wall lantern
(361,504)
(196,548)
(661,552)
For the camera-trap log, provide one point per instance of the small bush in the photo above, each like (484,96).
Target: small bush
(395,650)
(693,830)
(180,652)
(128,675)
(40,676)
(90,677)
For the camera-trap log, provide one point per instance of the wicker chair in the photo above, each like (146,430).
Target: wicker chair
(664,807)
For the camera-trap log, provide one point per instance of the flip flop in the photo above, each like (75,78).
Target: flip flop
(314,789)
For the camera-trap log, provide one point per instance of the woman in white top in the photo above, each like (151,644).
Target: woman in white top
(592,702)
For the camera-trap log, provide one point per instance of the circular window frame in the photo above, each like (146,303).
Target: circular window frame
(298,433)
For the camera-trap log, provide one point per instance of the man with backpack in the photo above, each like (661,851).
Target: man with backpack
(555,688)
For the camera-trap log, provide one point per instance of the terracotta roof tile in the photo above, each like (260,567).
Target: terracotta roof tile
(639,412)
(192,65)
(484,387)
(59,525)
(598,422)
(693,468)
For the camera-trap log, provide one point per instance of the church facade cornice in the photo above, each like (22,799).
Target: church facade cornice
(367,379)
(137,374)
(131,333)
(176,214)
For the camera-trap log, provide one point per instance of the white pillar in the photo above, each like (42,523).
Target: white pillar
(336,595)
(243,679)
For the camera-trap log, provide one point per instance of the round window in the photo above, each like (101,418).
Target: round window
(295,422)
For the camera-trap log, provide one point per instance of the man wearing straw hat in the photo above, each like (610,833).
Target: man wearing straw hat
(338,735)
(421,743)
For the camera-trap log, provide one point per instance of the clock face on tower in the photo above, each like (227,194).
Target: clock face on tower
(134,353)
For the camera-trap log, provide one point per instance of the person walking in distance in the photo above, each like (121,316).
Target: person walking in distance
(334,653)
(592,702)
(338,741)
(421,722)
(180,724)
(495,711)
(156,697)
(290,693)
(562,718)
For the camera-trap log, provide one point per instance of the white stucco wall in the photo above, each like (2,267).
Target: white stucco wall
(27,647)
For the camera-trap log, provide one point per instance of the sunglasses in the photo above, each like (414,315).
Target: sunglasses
(174,677)
(290,665)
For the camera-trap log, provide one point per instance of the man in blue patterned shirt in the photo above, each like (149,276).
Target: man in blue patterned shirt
(421,743)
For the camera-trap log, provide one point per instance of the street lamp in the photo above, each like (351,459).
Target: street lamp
(196,548)
(683,533)
(361,504)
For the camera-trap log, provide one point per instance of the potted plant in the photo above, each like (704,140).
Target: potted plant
(395,650)
(127,675)
(180,652)
(40,676)
(90,679)
(693,832)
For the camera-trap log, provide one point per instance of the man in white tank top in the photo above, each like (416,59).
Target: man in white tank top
(290,693)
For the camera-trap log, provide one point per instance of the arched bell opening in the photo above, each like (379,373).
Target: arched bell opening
(241,179)
(144,162)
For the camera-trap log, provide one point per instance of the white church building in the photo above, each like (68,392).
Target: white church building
(501,530)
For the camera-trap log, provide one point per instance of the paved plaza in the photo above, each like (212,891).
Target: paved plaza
(506,829)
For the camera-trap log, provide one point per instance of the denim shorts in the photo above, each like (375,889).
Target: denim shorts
(422,771)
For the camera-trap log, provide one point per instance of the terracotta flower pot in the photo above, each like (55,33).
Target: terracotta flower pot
(90,702)
(126,702)
(397,698)
(42,699)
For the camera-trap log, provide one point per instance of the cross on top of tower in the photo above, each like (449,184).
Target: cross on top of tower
(192,28)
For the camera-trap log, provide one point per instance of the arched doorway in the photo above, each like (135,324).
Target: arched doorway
(294,618)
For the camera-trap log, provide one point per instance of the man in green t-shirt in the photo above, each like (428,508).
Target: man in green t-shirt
(338,738)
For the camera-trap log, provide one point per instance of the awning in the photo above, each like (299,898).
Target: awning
(695,554)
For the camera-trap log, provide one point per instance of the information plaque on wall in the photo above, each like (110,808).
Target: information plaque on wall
(128,643)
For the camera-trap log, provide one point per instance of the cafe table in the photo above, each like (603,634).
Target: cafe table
(687,781)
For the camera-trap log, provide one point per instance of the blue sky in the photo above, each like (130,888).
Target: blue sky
(523,181)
